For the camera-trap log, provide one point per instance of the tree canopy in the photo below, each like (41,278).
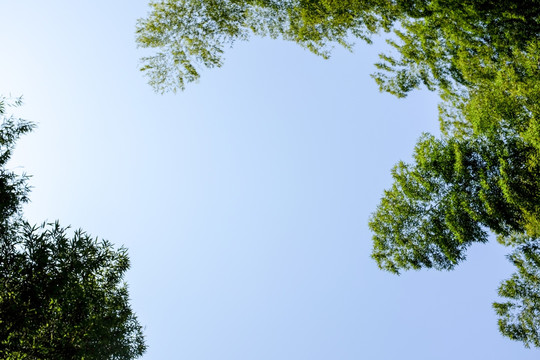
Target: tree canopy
(435,39)
(61,296)
(481,176)
(518,316)
(192,34)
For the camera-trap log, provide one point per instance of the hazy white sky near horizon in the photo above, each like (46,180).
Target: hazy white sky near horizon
(244,200)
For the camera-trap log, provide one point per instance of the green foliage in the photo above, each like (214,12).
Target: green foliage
(190,34)
(488,159)
(13,187)
(61,297)
(519,316)
(438,40)
(455,190)
(441,204)
(447,45)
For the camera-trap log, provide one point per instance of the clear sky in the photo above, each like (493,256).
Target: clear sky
(244,200)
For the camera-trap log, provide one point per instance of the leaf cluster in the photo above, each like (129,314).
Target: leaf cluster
(483,174)
(61,296)
(188,35)
(519,317)
(442,203)
(13,187)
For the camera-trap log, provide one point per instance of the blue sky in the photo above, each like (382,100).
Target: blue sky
(244,200)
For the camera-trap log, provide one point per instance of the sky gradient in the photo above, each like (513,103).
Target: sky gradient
(244,200)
